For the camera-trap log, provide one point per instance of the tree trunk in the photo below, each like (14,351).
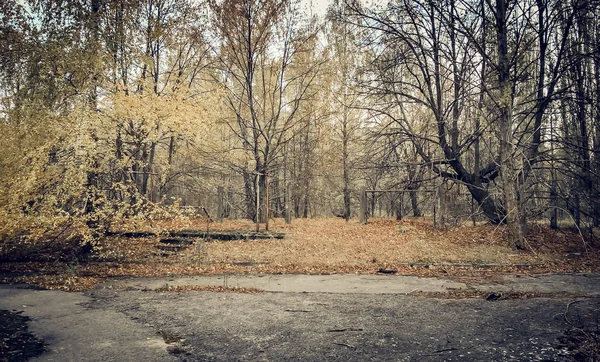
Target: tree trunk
(306,207)
(439,214)
(553,204)
(508,171)
(399,207)
(414,201)
(249,196)
(288,209)
(596,152)
(148,162)
(262,197)
(346,190)
(362,214)
(220,209)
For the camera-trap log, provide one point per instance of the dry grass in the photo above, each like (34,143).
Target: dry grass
(331,245)
(320,246)
(333,242)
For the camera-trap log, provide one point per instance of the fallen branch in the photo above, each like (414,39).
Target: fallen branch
(433,354)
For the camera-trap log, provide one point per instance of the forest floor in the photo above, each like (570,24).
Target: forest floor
(473,265)
(310,246)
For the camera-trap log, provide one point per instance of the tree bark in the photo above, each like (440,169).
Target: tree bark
(249,196)
(508,171)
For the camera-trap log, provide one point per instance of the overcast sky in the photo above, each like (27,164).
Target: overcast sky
(319,7)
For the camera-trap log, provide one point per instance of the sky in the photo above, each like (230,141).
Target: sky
(319,7)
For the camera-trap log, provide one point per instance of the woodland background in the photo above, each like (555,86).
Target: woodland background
(479,110)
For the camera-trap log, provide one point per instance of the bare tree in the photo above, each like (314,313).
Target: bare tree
(438,57)
(260,46)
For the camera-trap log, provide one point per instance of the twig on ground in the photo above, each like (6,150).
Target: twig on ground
(446,350)
(345,345)
(530,247)
(450,349)
(346,330)
(567,310)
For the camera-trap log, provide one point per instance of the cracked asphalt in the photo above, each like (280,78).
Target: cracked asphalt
(310,318)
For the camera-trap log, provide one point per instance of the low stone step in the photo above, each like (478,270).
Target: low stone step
(228,234)
(224,235)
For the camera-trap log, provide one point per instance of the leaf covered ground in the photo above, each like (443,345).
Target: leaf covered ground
(314,246)
(16,342)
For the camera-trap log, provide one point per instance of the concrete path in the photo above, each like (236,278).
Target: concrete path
(375,284)
(74,332)
(299,283)
(333,317)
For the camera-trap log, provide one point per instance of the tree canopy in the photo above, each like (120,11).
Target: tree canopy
(116,109)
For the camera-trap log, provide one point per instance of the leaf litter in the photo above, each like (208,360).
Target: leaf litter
(312,246)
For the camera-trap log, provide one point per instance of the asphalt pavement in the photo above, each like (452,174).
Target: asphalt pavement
(312,318)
